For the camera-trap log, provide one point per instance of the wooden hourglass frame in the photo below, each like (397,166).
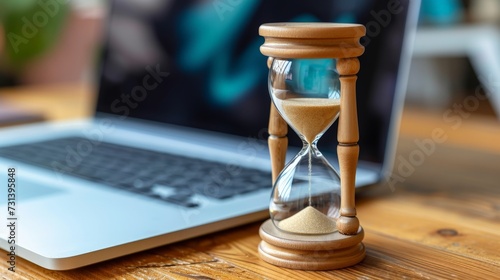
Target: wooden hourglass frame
(308,41)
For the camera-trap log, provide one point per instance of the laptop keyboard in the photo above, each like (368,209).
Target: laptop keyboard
(167,177)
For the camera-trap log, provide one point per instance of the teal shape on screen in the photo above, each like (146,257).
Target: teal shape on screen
(207,31)
(207,35)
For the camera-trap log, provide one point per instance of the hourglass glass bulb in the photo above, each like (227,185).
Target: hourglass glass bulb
(306,194)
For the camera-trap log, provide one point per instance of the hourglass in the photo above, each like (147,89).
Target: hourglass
(312,77)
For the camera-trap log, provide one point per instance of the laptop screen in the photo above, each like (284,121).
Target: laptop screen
(197,64)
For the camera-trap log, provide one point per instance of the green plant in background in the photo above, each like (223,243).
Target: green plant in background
(31,27)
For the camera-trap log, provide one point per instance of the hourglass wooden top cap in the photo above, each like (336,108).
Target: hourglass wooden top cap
(311,40)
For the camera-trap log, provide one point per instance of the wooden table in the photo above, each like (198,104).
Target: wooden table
(441,222)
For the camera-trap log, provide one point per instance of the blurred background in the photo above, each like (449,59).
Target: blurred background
(451,56)
(456,51)
(43,42)
(455,64)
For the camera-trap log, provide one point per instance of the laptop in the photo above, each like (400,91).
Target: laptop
(177,146)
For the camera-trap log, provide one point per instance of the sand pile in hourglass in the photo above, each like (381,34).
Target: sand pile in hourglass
(310,117)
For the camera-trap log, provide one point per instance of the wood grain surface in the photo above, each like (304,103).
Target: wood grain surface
(441,222)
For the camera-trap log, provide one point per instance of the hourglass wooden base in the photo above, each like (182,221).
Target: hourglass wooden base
(310,252)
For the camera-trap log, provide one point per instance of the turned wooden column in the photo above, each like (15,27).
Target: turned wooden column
(277,140)
(348,148)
